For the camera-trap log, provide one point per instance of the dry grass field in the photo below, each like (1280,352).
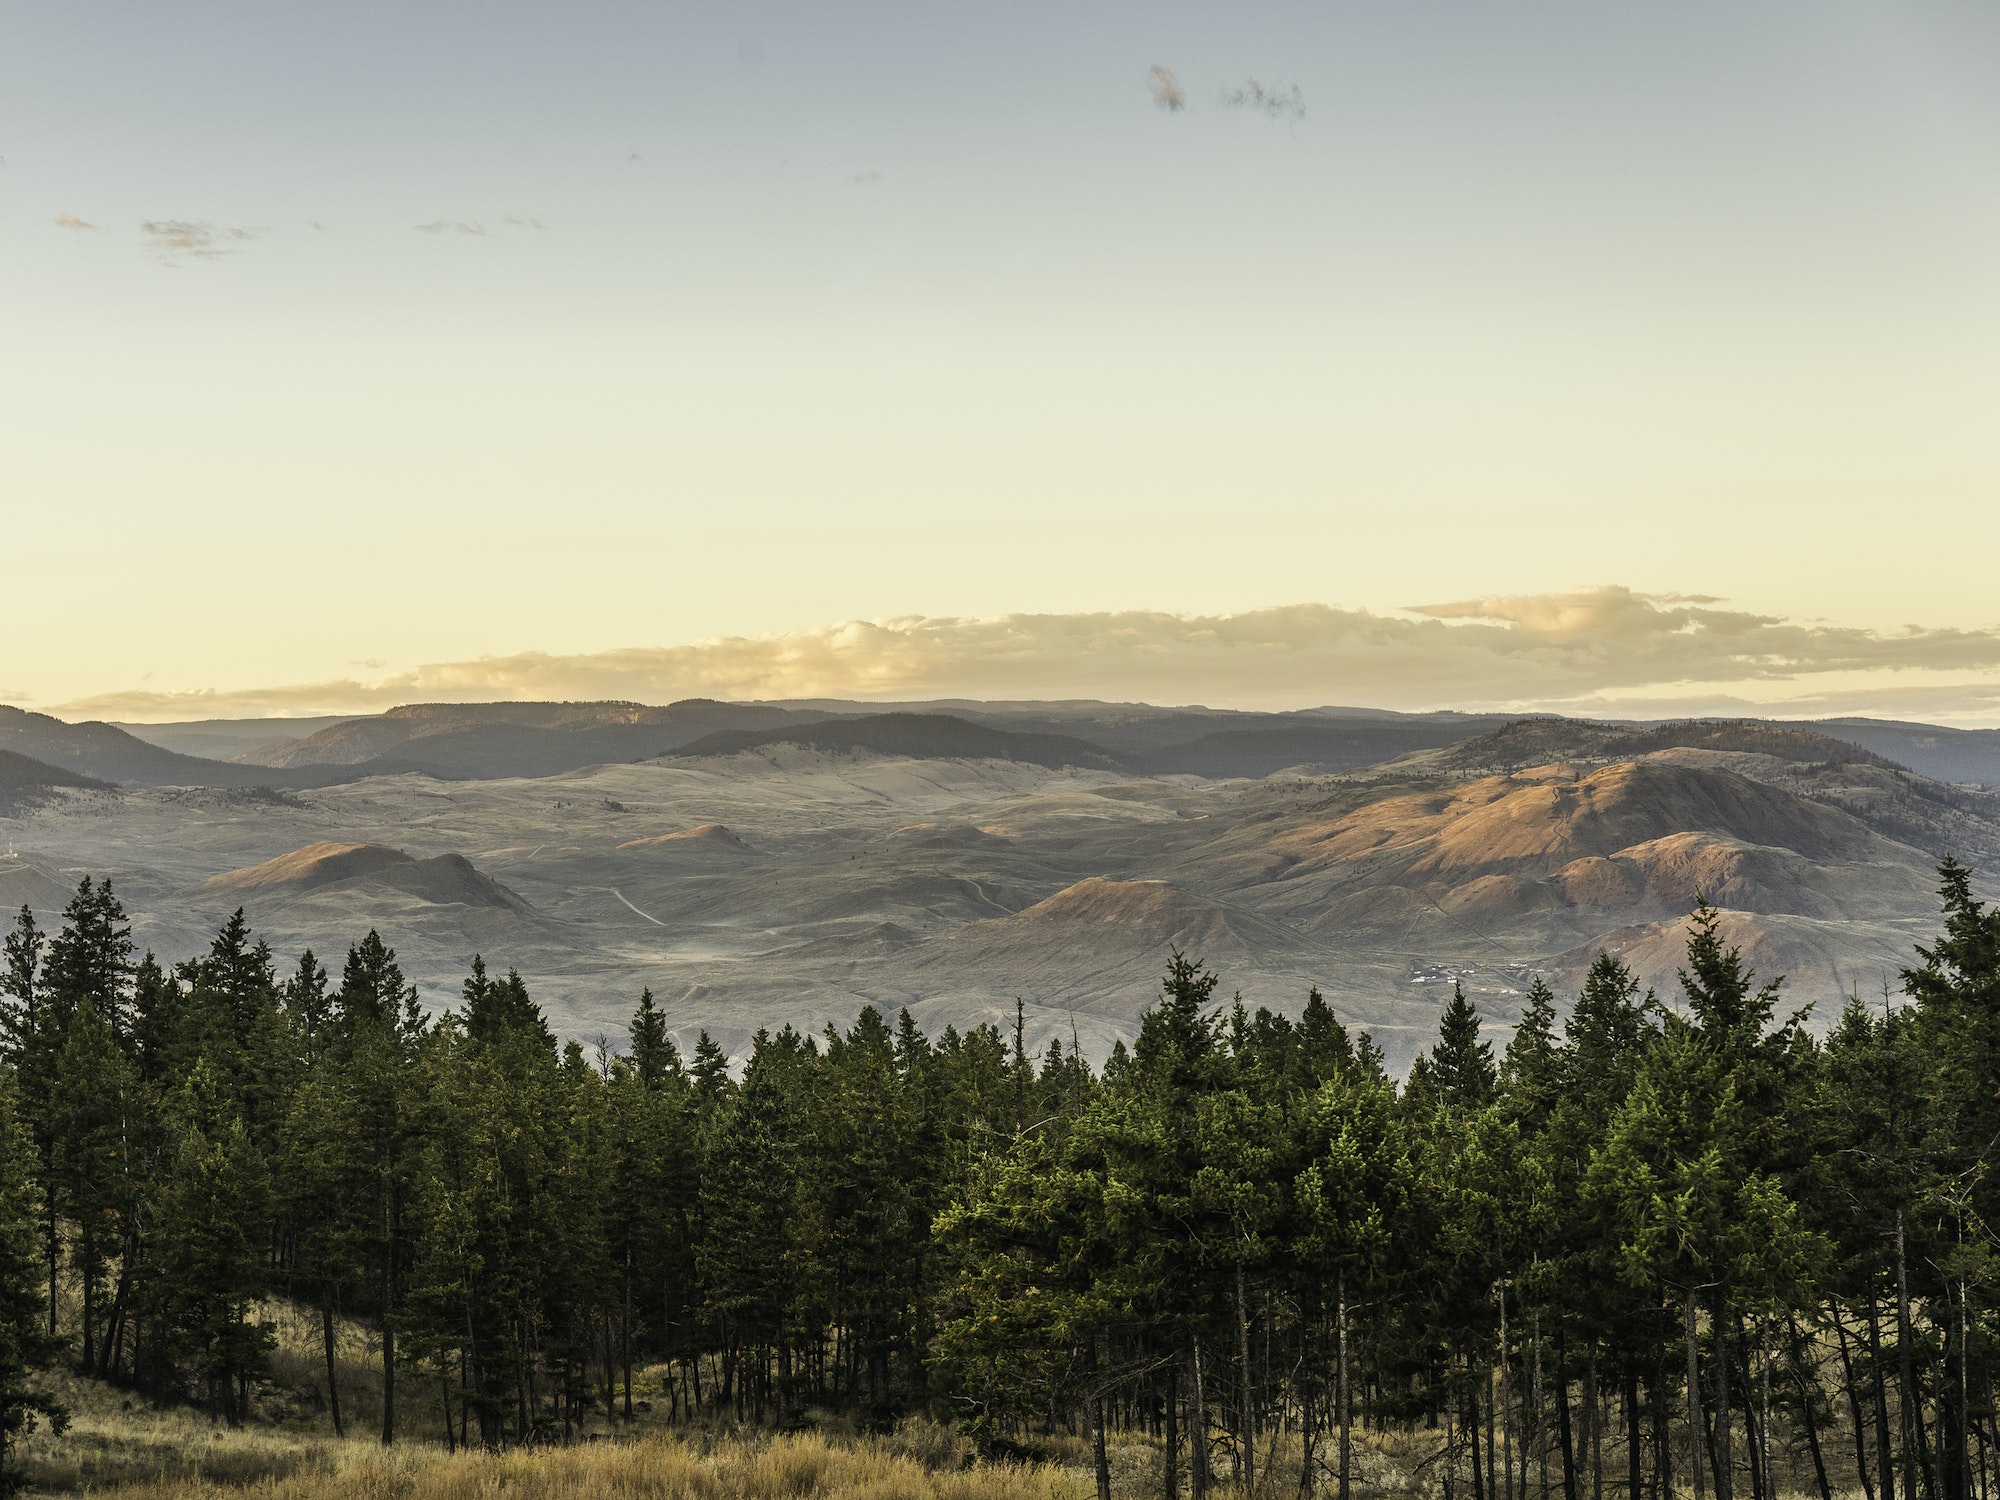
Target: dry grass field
(120,1445)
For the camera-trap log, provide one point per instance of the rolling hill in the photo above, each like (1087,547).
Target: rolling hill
(797,869)
(482,740)
(110,754)
(444,880)
(917,736)
(24,782)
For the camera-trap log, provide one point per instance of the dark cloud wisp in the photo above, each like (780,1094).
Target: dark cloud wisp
(1278,103)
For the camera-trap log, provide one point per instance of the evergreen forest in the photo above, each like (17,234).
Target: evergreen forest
(1656,1245)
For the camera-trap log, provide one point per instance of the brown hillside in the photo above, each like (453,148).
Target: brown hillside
(1819,960)
(314,865)
(1534,822)
(446,879)
(1142,915)
(1537,741)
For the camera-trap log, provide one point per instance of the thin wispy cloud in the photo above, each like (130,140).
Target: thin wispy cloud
(175,240)
(1278,103)
(476,228)
(71,221)
(1166,89)
(1567,651)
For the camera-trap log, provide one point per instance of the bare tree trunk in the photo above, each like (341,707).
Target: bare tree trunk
(1479,1491)
(1198,1427)
(1172,1417)
(1854,1407)
(1099,1459)
(388,1308)
(1492,1421)
(1764,1412)
(1913,1404)
(1634,1440)
(1964,1400)
(1696,1422)
(1562,1413)
(326,1329)
(1247,1465)
(1593,1406)
(107,1359)
(1309,1434)
(1541,1408)
(1885,1459)
(1341,1399)
(52,1229)
(1507,1407)
(89,1299)
(1725,1461)
(1806,1407)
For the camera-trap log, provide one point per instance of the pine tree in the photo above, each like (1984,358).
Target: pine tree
(377,1032)
(20,969)
(1531,1069)
(26,1346)
(654,1056)
(89,961)
(1461,1065)
(91,1114)
(712,1084)
(211,1224)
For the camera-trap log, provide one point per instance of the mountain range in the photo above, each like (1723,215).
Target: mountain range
(758,864)
(488,740)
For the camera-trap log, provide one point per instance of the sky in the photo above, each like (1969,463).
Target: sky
(1420,353)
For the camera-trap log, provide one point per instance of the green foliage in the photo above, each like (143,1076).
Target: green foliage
(1240,1223)
(26,1346)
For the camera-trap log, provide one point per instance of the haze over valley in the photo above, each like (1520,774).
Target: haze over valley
(763,864)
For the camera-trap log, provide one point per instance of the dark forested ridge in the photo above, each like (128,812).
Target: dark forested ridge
(24,781)
(1651,1245)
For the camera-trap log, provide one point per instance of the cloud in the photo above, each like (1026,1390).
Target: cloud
(1604,611)
(1576,651)
(864,178)
(1165,89)
(520,222)
(174,239)
(1279,104)
(71,221)
(444,226)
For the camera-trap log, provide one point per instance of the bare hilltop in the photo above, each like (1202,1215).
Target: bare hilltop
(762,864)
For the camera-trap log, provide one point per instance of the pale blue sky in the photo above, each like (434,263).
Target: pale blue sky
(864,310)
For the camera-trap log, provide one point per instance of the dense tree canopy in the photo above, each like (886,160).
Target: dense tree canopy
(1652,1242)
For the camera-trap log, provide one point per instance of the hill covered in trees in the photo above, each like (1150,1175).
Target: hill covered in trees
(1655,1241)
(25,782)
(916,736)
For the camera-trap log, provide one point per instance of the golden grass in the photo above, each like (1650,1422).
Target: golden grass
(790,1467)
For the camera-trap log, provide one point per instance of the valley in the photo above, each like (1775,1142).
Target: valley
(799,863)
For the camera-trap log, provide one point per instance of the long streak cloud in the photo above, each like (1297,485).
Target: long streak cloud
(1594,649)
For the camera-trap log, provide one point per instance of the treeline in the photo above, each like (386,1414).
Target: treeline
(1656,1246)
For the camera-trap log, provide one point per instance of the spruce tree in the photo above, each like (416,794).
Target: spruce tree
(26,1347)
(211,1224)
(1461,1065)
(20,969)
